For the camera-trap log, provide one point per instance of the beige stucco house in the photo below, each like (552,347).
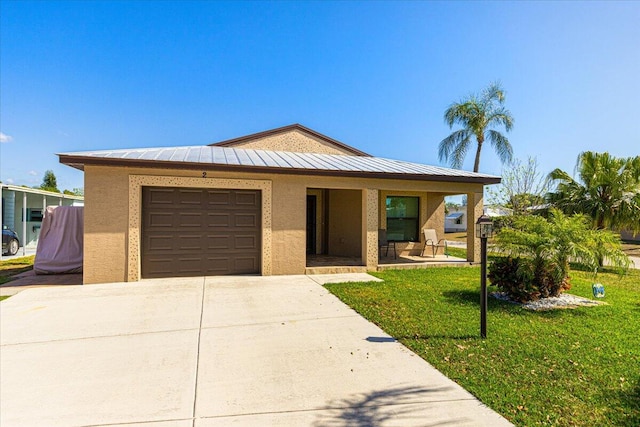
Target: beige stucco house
(260,204)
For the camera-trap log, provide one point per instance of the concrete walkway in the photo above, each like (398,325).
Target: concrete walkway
(215,351)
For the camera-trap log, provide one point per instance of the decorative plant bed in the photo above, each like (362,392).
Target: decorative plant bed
(551,303)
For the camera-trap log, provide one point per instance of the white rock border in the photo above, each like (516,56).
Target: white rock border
(551,303)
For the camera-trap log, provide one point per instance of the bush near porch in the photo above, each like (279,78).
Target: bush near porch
(573,367)
(540,250)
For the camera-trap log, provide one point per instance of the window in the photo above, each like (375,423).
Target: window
(34,215)
(403,214)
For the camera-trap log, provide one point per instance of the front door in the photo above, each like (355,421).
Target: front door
(311,224)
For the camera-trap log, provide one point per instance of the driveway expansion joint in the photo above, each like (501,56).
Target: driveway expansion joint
(99,336)
(279,322)
(195,385)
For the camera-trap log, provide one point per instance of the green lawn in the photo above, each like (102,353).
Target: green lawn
(578,367)
(10,268)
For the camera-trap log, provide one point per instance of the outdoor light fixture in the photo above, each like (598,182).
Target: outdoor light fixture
(484,230)
(484,227)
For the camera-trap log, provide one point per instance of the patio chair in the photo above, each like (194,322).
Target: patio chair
(384,243)
(431,239)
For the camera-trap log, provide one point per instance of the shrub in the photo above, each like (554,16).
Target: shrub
(509,276)
(540,250)
(526,279)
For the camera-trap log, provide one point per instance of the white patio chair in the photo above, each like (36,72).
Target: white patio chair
(431,239)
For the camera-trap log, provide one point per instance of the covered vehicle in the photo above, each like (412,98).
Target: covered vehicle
(10,241)
(61,241)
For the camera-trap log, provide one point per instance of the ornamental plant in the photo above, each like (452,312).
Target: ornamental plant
(539,251)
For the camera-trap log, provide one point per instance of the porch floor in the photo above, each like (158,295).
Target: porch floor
(324,264)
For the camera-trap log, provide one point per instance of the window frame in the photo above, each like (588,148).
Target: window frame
(415,218)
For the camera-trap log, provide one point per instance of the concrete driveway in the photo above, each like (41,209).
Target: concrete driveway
(214,351)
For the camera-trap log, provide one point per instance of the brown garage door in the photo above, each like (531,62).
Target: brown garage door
(198,231)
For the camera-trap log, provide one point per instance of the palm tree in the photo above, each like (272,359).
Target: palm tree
(477,115)
(608,190)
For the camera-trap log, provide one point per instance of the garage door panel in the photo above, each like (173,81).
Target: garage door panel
(219,242)
(221,198)
(190,219)
(245,264)
(215,266)
(189,197)
(246,220)
(160,219)
(161,267)
(160,243)
(245,242)
(218,219)
(188,265)
(188,242)
(191,232)
(160,196)
(246,198)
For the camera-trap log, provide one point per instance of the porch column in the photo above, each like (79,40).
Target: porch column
(370,228)
(24,223)
(474,211)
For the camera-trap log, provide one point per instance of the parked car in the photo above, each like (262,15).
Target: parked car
(10,242)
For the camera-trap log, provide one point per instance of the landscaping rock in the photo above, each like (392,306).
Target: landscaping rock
(551,303)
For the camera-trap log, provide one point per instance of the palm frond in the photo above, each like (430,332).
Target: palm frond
(493,92)
(501,144)
(450,147)
(501,116)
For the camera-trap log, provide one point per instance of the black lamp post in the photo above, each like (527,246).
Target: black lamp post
(484,230)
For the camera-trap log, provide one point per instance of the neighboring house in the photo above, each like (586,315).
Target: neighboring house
(23,207)
(456,219)
(258,204)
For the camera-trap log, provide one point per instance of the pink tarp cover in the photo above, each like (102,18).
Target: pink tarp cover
(60,243)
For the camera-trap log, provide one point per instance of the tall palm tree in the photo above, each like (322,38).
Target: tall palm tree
(477,115)
(608,190)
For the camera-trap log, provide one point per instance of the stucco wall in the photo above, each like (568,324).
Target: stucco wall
(107,234)
(289,226)
(294,141)
(106,222)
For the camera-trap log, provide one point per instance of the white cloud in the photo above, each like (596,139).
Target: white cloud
(5,138)
(8,181)
(33,173)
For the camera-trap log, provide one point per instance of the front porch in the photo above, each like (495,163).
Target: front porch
(327,264)
(343,226)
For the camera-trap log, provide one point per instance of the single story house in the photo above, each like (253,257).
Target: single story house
(258,204)
(23,207)
(456,219)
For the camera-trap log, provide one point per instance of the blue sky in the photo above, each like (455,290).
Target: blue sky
(86,75)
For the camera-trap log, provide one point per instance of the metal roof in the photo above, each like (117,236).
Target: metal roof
(21,189)
(226,158)
(454,215)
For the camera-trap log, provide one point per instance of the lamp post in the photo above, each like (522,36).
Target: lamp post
(484,230)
